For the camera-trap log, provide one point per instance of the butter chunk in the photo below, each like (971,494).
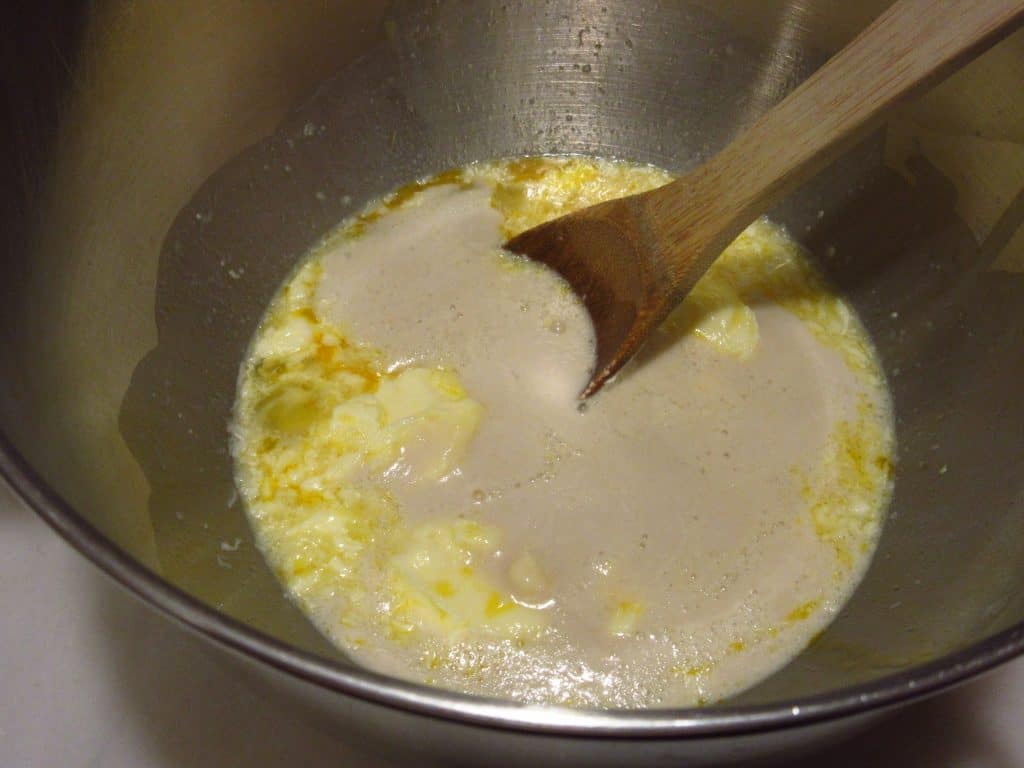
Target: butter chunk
(432,420)
(438,588)
(715,312)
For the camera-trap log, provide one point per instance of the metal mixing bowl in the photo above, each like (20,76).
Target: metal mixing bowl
(166,164)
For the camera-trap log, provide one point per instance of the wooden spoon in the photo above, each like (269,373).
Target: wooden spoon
(632,260)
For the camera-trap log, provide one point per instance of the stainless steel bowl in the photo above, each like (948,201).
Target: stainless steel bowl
(166,165)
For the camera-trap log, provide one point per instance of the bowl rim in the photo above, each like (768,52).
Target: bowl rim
(684,723)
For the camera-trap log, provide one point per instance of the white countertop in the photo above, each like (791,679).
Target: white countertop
(92,679)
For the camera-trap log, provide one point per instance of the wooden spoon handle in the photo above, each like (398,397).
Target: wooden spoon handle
(912,44)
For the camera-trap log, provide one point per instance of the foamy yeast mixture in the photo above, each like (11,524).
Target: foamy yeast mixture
(424,483)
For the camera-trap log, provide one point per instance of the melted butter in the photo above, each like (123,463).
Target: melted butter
(414,463)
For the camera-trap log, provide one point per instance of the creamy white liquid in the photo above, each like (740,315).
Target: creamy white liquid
(678,489)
